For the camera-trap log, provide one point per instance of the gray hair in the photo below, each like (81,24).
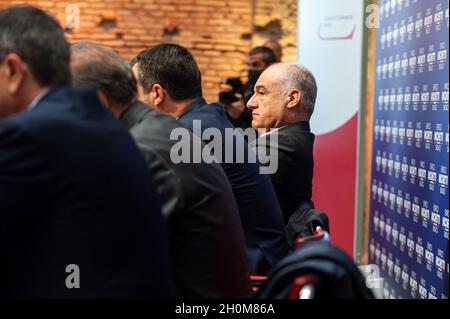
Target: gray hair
(38,40)
(101,68)
(297,76)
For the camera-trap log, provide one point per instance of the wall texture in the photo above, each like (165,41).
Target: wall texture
(218,32)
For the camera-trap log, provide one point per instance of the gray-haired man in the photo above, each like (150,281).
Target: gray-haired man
(284,99)
(206,240)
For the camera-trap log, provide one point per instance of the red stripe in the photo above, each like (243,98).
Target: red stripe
(334,181)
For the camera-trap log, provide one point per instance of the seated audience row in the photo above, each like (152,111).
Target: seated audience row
(89,180)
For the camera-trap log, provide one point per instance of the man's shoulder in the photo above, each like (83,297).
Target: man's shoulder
(153,125)
(288,140)
(11,129)
(20,126)
(62,104)
(65,115)
(159,121)
(19,151)
(66,95)
(211,115)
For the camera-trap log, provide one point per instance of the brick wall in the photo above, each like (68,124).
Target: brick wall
(276,20)
(218,32)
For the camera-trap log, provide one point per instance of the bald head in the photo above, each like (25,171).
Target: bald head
(102,69)
(289,76)
(285,93)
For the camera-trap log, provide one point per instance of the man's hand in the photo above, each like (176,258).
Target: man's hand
(235,109)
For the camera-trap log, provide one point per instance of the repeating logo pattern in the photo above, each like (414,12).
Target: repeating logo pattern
(409,222)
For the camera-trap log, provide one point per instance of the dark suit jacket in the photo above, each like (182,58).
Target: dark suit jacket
(256,200)
(74,189)
(206,240)
(293,179)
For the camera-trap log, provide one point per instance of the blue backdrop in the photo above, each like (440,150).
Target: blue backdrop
(409,217)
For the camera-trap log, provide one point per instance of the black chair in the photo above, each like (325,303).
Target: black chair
(304,222)
(317,270)
(318,235)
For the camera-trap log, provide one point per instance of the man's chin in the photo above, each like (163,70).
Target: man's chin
(257,125)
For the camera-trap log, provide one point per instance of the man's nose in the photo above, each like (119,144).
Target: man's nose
(251,104)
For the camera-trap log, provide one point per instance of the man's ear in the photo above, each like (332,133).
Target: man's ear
(15,70)
(159,94)
(103,99)
(293,98)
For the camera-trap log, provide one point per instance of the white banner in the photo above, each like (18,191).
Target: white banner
(330,44)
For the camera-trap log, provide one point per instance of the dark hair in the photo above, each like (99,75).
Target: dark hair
(173,67)
(101,68)
(268,54)
(39,41)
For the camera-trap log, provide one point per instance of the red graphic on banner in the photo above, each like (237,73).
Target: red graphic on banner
(334,188)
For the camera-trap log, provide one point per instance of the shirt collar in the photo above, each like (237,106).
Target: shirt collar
(37,99)
(303,126)
(272,130)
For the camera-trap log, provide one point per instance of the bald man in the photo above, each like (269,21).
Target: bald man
(283,103)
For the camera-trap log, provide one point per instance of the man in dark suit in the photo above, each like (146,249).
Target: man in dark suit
(170,81)
(206,241)
(284,100)
(80,216)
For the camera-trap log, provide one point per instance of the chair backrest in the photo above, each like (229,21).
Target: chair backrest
(317,270)
(318,235)
(304,223)
(257,282)
(304,287)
